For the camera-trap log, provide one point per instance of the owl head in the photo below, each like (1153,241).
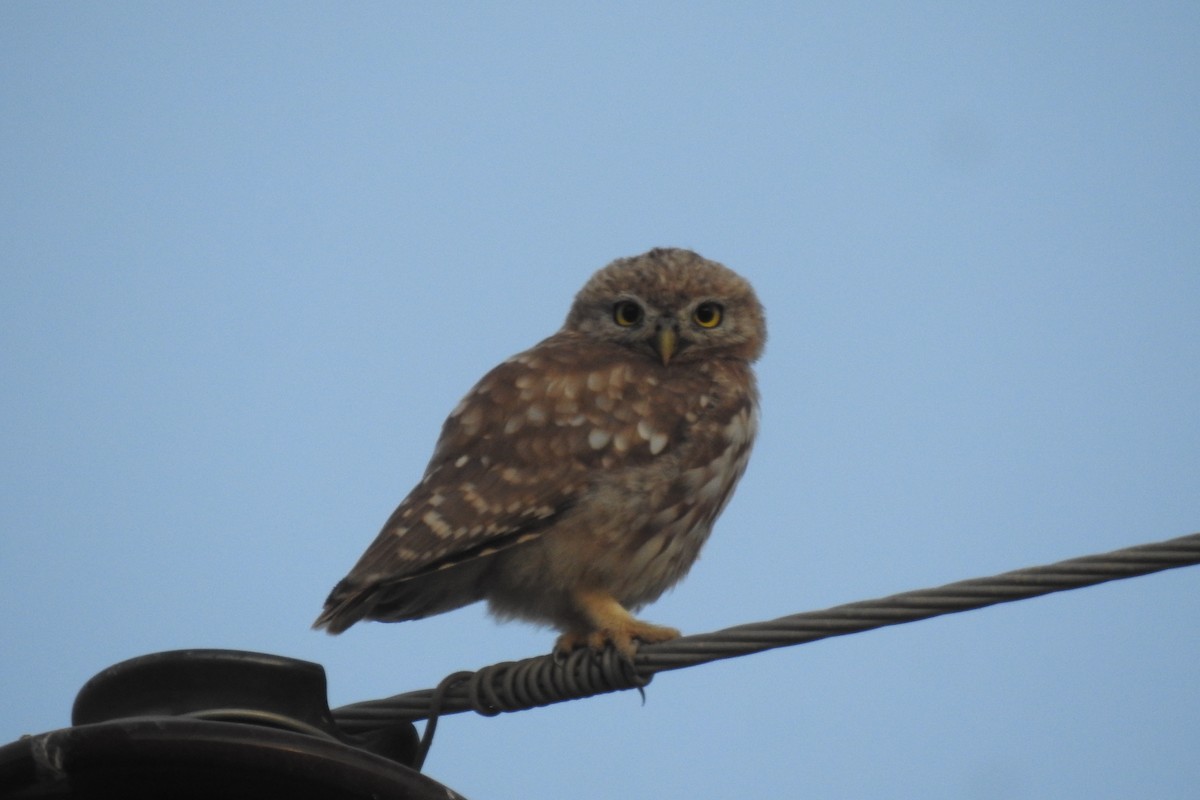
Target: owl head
(673,306)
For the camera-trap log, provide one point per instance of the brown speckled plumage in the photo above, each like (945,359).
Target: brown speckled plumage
(579,479)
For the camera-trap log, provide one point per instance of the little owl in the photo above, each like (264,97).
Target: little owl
(578,480)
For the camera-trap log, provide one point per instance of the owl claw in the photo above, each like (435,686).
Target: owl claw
(624,636)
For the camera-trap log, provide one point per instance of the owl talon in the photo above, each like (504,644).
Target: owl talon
(563,647)
(624,637)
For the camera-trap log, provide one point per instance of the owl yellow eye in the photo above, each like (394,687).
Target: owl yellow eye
(707,315)
(627,313)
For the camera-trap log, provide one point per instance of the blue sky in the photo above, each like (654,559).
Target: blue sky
(254,253)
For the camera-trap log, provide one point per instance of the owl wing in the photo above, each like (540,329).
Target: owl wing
(513,457)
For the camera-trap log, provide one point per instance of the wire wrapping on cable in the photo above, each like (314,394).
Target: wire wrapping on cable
(540,681)
(507,686)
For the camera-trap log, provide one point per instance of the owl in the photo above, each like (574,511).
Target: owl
(578,480)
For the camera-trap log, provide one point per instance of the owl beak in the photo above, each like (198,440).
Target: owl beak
(666,341)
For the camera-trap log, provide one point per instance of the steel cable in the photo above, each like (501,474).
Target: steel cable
(542,680)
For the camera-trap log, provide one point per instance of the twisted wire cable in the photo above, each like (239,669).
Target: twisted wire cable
(542,680)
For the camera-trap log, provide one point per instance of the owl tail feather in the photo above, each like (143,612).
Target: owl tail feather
(346,605)
(402,599)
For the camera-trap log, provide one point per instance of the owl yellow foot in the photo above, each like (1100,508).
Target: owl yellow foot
(611,625)
(623,638)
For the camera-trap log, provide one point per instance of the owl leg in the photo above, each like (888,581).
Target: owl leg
(609,624)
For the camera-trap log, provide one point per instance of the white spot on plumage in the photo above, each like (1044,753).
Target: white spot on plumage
(656,439)
(696,476)
(665,517)
(648,552)
(740,429)
(598,438)
(461,461)
(470,419)
(714,487)
(436,524)
(474,498)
